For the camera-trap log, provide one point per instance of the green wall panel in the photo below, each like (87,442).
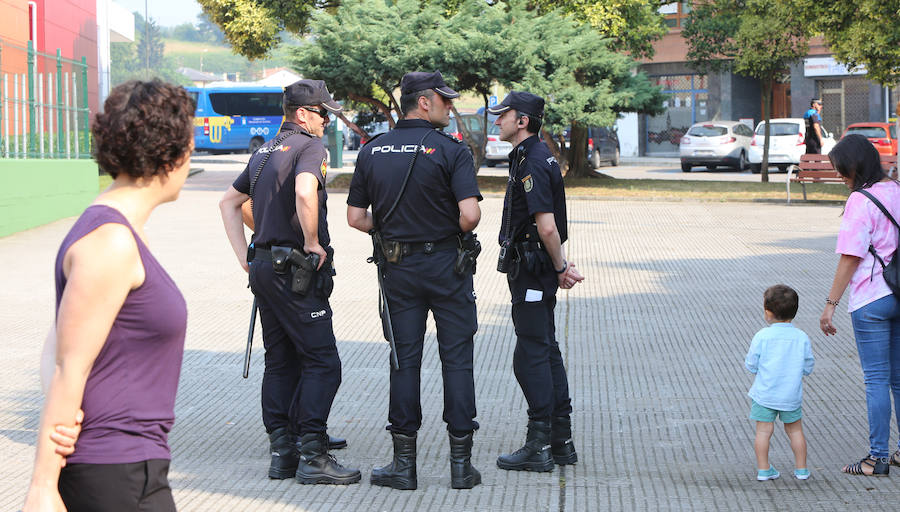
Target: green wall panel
(36,192)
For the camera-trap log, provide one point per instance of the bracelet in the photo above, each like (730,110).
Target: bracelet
(565,266)
(832,302)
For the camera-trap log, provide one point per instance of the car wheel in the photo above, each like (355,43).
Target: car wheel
(595,159)
(685,167)
(255,143)
(742,163)
(490,163)
(615,160)
(756,168)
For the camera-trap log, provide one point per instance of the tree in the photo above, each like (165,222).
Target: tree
(864,32)
(208,30)
(754,38)
(150,47)
(632,24)
(252,27)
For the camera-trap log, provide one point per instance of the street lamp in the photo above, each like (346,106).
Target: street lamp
(201,58)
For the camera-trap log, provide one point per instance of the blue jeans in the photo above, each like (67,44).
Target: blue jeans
(877,329)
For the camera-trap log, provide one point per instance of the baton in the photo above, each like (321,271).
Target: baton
(386,316)
(250,339)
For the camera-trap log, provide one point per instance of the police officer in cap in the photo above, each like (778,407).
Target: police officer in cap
(424,196)
(532,234)
(290,266)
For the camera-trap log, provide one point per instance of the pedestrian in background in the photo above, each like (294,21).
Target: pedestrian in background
(291,275)
(121,320)
(866,242)
(532,234)
(780,356)
(814,134)
(424,196)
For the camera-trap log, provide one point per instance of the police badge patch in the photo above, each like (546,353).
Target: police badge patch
(528,182)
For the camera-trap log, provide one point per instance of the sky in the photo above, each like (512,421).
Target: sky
(167,13)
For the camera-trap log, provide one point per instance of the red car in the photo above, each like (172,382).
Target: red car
(882,135)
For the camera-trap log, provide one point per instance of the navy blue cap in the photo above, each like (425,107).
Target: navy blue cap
(310,92)
(522,102)
(421,80)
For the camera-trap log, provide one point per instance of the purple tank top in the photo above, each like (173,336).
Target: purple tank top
(129,398)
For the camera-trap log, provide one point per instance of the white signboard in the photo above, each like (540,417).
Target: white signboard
(827,66)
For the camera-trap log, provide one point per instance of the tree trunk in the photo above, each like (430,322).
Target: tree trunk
(767,115)
(350,124)
(384,109)
(477,149)
(579,167)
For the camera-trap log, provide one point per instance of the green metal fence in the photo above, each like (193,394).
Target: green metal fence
(43,104)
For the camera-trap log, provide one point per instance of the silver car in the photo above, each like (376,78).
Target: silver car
(495,150)
(715,143)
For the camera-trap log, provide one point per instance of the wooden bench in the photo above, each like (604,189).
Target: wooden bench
(818,169)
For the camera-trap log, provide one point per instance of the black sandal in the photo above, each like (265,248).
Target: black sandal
(880,466)
(895,458)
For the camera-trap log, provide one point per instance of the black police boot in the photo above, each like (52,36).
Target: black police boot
(561,445)
(284,454)
(336,443)
(318,467)
(462,474)
(401,472)
(535,454)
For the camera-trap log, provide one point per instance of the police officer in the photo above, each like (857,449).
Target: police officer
(814,134)
(424,196)
(532,234)
(290,265)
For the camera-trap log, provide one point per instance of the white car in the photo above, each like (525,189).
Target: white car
(715,143)
(786,143)
(496,150)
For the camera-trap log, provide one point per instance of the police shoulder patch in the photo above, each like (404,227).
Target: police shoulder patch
(451,137)
(528,182)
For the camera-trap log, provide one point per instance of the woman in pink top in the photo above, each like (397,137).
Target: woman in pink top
(874,310)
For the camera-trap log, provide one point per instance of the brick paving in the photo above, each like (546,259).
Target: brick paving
(654,342)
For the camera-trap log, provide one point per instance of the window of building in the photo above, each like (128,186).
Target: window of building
(687,103)
(675,13)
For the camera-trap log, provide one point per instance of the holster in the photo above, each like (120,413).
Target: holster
(467,253)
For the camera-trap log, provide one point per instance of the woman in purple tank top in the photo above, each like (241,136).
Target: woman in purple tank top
(120,319)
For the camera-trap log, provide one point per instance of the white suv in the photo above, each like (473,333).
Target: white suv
(786,143)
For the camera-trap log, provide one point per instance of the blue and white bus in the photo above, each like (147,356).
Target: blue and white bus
(235,118)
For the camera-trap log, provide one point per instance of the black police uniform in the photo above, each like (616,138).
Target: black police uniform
(426,220)
(813,146)
(535,186)
(297,330)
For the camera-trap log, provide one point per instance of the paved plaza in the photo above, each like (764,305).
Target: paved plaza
(654,341)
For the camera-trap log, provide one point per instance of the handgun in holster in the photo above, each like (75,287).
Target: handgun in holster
(467,253)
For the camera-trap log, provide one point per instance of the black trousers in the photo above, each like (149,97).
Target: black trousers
(419,283)
(537,362)
(813,147)
(303,368)
(139,486)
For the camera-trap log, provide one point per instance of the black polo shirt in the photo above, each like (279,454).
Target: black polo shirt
(535,186)
(274,199)
(444,175)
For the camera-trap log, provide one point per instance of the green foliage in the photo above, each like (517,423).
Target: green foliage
(252,27)
(632,24)
(128,61)
(864,32)
(150,48)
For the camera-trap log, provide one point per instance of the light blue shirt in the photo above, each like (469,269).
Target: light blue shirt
(780,355)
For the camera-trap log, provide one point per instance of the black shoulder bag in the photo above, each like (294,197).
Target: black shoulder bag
(891,271)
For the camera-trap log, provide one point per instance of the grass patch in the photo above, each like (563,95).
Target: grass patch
(666,189)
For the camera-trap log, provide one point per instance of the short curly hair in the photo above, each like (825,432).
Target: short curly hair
(145,129)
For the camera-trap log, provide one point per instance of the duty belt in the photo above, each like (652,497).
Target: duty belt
(407,248)
(266,255)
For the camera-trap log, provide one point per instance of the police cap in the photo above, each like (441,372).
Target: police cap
(523,102)
(421,80)
(310,92)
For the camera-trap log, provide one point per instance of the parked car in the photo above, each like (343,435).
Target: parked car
(475,124)
(715,143)
(496,150)
(603,145)
(882,135)
(787,142)
(371,124)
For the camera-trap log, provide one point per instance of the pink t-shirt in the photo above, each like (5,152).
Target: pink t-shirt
(865,224)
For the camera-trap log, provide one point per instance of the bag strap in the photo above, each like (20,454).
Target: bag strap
(880,207)
(278,140)
(412,163)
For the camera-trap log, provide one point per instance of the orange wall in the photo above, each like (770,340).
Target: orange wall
(673,48)
(14,30)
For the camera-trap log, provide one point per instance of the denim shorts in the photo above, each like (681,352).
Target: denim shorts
(763,413)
